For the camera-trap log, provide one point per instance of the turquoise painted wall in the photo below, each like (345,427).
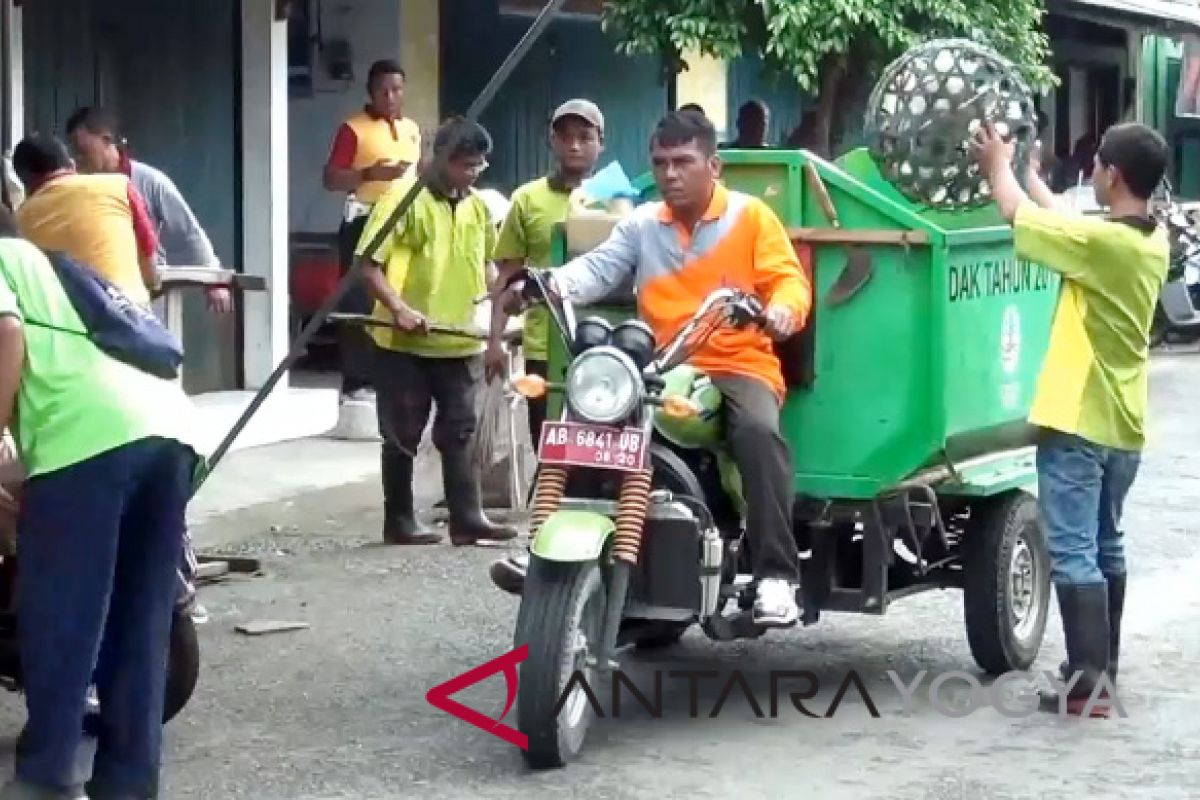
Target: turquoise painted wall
(170,71)
(573,58)
(748,81)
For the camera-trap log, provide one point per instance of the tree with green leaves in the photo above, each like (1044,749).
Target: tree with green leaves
(831,49)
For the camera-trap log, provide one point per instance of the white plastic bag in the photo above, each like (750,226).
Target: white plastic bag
(12,476)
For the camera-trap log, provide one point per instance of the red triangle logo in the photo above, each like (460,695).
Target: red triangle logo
(439,696)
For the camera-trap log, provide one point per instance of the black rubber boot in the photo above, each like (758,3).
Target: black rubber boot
(468,525)
(19,790)
(1116,608)
(95,792)
(1084,610)
(400,525)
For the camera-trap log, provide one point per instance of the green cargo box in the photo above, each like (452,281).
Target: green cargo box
(931,365)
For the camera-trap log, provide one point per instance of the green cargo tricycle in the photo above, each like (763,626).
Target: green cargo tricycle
(908,394)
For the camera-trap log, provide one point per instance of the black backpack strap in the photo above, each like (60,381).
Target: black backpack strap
(47,326)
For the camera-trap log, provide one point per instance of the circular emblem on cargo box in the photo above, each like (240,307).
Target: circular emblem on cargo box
(1010,340)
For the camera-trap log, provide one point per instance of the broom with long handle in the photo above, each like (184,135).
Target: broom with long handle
(484,99)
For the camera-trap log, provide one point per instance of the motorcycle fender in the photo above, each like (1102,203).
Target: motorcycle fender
(573,536)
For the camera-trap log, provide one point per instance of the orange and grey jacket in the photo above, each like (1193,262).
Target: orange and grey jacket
(738,244)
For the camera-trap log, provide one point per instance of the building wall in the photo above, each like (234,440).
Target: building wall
(373,29)
(168,70)
(420,53)
(748,81)
(573,58)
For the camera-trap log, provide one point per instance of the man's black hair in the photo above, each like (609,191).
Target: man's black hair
(695,108)
(752,107)
(458,137)
(685,127)
(37,156)
(1139,153)
(381,69)
(93,119)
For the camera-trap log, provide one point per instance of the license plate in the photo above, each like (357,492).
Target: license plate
(577,445)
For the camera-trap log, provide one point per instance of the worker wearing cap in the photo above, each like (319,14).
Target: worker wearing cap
(577,139)
(372,149)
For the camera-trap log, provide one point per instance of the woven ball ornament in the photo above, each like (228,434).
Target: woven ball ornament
(927,108)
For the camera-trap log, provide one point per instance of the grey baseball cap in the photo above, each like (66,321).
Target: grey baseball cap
(584,109)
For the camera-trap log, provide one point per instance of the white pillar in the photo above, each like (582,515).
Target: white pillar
(12,68)
(706,82)
(264,186)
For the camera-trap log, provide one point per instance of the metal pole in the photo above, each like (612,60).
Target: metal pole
(484,99)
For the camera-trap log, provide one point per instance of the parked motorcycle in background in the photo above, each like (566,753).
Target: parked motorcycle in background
(1177,316)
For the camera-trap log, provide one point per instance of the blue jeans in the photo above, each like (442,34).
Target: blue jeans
(1081,494)
(99,544)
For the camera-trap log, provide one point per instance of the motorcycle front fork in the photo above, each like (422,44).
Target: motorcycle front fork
(186,601)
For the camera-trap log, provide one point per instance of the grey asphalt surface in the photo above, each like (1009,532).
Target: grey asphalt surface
(339,710)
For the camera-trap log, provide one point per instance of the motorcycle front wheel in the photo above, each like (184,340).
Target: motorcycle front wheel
(561,619)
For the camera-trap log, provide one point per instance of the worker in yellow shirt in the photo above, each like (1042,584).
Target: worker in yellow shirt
(100,221)
(526,240)
(577,139)
(429,268)
(372,149)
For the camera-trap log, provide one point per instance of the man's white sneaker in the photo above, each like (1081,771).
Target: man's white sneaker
(776,606)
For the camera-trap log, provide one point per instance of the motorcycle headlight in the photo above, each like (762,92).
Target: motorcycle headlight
(603,386)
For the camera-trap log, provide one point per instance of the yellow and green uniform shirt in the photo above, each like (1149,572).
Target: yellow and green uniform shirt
(75,401)
(527,235)
(435,259)
(1095,379)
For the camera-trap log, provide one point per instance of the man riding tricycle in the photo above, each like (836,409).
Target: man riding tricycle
(761,441)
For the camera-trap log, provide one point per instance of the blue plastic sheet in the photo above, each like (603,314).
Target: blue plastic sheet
(609,184)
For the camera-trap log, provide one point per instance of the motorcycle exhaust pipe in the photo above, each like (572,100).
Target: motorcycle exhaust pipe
(712,553)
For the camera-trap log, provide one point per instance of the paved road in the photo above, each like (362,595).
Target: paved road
(338,711)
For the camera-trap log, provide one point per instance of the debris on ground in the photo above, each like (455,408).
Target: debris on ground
(262,627)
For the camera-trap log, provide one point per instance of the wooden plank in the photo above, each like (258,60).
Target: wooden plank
(212,569)
(260,628)
(183,277)
(865,236)
(818,188)
(240,564)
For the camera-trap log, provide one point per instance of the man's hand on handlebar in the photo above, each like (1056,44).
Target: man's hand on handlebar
(779,322)
(524,290)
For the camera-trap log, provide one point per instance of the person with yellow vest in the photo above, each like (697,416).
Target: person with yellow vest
(371,150)
(97,220)
(429,267)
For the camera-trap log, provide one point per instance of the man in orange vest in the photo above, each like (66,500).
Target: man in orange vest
(699,238)
(98,220)
(372,149)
